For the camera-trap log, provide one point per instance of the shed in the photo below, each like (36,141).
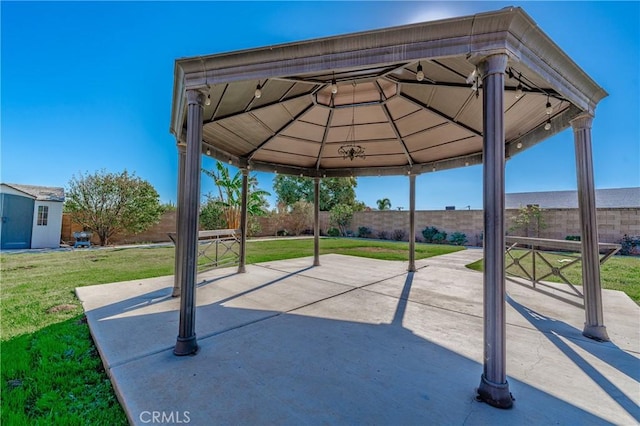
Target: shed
(31,216)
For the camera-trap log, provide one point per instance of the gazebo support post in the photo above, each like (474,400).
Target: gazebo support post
(316,221)
(178,248)
(188,226)
(594,322)
(412,223)
(243,221)
(494,388)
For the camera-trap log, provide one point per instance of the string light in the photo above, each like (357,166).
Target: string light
(207,101)
(519,87)
(334,85)
(420,73)
(258,92)
(547,125)
(549,108)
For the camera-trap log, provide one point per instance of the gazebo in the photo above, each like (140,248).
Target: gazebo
(397,101)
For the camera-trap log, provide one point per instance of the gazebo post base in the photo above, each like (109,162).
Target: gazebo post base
(186,346)
(495,394)
(596,332)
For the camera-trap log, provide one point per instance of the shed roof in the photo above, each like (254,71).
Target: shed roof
(40,193)
(298,126)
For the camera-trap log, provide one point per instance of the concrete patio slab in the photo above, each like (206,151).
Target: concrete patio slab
(360,341)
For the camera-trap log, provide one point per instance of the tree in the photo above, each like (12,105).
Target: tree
(529,220)
(212,214)
(340,216)
(108,203)
(300,217)
(230,195)
(384,204)
(333,191)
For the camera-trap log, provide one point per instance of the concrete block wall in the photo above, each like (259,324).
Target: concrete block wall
(613,223)
(155,234)
(269,226)
(469,222)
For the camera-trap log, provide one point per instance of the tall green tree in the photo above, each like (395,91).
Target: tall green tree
(340,216)
(333,191)
(229,196)
(384,204)
(109,203)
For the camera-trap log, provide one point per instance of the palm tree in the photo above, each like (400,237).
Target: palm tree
(384,204)
(230,194)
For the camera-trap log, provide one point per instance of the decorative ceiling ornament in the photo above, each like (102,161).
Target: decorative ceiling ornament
(350,150)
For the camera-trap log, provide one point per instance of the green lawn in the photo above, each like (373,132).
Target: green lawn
(618,273)
(51,373)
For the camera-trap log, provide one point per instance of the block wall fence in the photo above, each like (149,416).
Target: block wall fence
(613,223)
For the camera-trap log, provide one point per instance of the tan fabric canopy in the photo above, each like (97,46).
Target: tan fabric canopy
(297,125)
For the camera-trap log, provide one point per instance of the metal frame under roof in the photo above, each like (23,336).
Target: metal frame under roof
(297,125)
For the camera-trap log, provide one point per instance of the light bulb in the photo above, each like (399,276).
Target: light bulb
(208,151)
(519,91)
(420,73)
(258,92)
(207,101)
(549,109)
(547,125)
(334,86)
(519,145)
(466,163)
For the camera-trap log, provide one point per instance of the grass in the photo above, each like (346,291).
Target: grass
(50,370)
(618,273)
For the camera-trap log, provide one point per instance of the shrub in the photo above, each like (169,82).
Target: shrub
(333,232)
(383,235)
(364,232)
(630,245)
(458,239)
(440,237)
(573,238)
(398,234)
(428,233)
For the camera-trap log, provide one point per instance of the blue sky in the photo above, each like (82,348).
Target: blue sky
(88,86)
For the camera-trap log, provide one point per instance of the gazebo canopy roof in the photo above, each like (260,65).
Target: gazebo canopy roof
(402,125)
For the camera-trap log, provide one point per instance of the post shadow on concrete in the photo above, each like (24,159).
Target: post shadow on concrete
(277,367)
(267,366)
(554,329)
